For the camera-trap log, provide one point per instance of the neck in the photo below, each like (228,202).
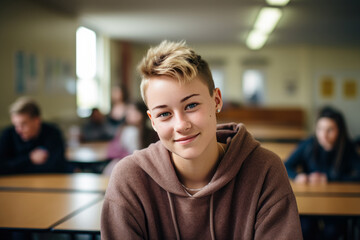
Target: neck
(197,173)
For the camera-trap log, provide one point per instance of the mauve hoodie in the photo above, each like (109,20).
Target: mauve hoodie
(249,196)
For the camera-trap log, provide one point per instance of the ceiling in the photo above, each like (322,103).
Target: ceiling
(304,22)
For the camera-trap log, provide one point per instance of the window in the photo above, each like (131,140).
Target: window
(92,86)
(219,78)
(253,86)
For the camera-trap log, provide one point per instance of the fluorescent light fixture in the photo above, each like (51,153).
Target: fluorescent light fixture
(277,2)
(267,19)
(256,39)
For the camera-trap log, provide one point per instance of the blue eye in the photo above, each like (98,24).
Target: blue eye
(165,114)
(191,105)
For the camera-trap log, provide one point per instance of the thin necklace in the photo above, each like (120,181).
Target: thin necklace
(186,189)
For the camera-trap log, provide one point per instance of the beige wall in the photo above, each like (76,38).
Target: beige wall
(46,34)
(300,64)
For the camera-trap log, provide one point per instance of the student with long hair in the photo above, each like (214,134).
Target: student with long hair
(329,155)
(201,180)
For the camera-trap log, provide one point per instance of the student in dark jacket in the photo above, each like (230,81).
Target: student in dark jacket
(330,155)
(327,156)
(30,145)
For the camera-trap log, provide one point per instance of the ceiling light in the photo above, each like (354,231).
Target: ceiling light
(267,19)
(256,39)
(277,2)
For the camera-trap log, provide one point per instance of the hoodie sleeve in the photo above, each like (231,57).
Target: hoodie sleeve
(122,216)
(277,216)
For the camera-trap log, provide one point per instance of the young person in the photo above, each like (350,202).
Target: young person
(133,135)
(200,181)
(329,155)
(30,145)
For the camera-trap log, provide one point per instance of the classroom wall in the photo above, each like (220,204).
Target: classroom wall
(297,66)
(300,66)
(46,33)
(30,30)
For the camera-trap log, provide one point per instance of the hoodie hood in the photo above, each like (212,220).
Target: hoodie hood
(156,161)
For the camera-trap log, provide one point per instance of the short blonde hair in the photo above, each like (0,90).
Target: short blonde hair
(25,105)
(175,60)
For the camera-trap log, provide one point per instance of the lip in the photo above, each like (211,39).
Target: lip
(187,139)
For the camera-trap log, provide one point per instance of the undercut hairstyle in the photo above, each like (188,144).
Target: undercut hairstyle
(25,105)
(177,61)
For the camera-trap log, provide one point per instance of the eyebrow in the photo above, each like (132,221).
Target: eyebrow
(182,100)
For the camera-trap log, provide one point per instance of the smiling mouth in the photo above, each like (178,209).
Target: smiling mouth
(186,139)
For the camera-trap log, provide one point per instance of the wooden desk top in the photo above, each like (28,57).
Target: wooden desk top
(91,152)
(40,210)
(329,189)
(269,132)
(87,220)
(284,150)
(76,182)
(325,205)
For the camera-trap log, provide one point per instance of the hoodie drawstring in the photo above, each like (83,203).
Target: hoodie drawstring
(212,217)
(173,217)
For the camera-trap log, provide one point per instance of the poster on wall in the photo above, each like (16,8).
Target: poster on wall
(59,77)
(349,88)
(26,72)
(327,87)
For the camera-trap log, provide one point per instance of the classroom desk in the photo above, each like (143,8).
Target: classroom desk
(276,133)
(87,152)
(282,149)
(88,157)
(328,205)
(339,189)
(86,221)
(75,182)
(41,210)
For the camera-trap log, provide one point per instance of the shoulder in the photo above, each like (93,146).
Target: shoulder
(265,158)
(7,134)
(126,179)
(9,130)
(50,128)
(265,167)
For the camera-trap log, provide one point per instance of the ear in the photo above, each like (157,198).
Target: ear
(152,122)
(218,99)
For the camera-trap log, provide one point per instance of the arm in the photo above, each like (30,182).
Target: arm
(118,221)
(11,160)
(295,160)
(122,215)
(277,216)
(52,141)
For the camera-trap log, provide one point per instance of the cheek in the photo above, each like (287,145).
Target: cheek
(333,136)
(163,129)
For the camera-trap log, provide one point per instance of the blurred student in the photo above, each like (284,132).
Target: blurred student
(117,114)
(200,181)
(30,145)
(329,155)
(96,128)
(135,134)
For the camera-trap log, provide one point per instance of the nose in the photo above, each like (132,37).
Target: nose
(182,123)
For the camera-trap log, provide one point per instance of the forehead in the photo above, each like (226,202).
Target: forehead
(21,117)
(326,122)
(164,87)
